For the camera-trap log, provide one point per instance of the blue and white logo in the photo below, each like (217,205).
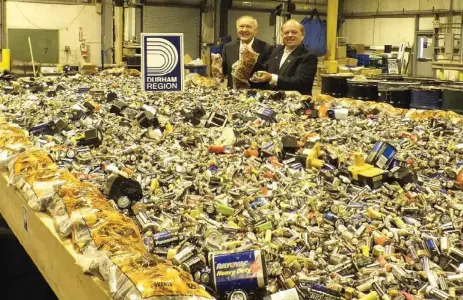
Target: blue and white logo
(162,62)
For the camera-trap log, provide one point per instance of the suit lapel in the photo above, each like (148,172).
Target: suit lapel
(276,58)
(234,53)
(289,60)
(256,45)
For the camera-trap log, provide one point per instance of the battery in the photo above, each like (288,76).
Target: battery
(242,270)
(165,239)
(382,155)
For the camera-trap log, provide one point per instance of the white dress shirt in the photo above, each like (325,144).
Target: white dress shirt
(242,45)
(286,53)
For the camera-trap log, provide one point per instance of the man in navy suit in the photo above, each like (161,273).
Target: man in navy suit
(246,27)
(292,66)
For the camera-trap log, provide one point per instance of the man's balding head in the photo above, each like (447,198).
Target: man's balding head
(293,34)
(246,27)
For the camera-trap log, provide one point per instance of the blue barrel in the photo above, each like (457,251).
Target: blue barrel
(363,59)
(396,93)
(426,98)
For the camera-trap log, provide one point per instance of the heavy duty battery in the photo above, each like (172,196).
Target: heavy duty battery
(243,270)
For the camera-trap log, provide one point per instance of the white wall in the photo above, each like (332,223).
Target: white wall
(379,31)
(67,19)
(426,23)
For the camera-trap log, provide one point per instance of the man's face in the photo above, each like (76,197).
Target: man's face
(246,29)
(292,35)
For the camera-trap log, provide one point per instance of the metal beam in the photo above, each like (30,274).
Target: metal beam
(393,14)
(173,5)
(332,26)
(64,2)
(272,10)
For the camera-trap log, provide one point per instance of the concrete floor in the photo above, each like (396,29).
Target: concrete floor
(316,90)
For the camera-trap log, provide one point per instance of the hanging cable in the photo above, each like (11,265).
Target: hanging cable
(38,27)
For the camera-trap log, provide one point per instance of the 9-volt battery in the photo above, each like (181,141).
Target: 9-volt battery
(242,270)
(382,155)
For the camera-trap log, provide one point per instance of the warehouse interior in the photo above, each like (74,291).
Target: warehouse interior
(104,30)
(328,164)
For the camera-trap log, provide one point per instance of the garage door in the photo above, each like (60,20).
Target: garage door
(175,20)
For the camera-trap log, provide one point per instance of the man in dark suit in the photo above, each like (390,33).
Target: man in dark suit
(246,27)
(292,66)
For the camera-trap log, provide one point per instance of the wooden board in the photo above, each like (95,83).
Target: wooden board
(54,257)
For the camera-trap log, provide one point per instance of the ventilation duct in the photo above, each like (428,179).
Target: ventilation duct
(301,7)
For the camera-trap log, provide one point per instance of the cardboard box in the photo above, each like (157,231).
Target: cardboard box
(352,62)
(343,69)
(341,52)
(360,48)
(371,72)
(342,61)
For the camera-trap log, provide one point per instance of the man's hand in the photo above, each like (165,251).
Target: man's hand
(246,48)
(261,76)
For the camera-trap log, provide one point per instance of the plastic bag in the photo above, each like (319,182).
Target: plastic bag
(216,67)
(97,229)
(13,140)
(242,69)
(11,145)
(31,160)
(74,197)
(38,187)
(315,34)
(139,275)
(194,79)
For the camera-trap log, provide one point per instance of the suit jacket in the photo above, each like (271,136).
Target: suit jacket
(231,54)
(297,72)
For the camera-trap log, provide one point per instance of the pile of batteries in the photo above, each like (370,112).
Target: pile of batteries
(265,195)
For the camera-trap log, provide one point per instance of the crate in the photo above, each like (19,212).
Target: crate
(363,59)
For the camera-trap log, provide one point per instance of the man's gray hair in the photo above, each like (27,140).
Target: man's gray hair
(248,17)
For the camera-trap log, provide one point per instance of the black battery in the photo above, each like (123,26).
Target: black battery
(216,120)
(402,176)
(8,90)
(89,106)
(51,93)
(117,107)
(130,113)
(43,128)
(111,96)
(198,112)
(278,95)
(147,119)
(36,88)
(119,186)
(92,137)
(60,87)
(289,143)
(373,182)
(57,126)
